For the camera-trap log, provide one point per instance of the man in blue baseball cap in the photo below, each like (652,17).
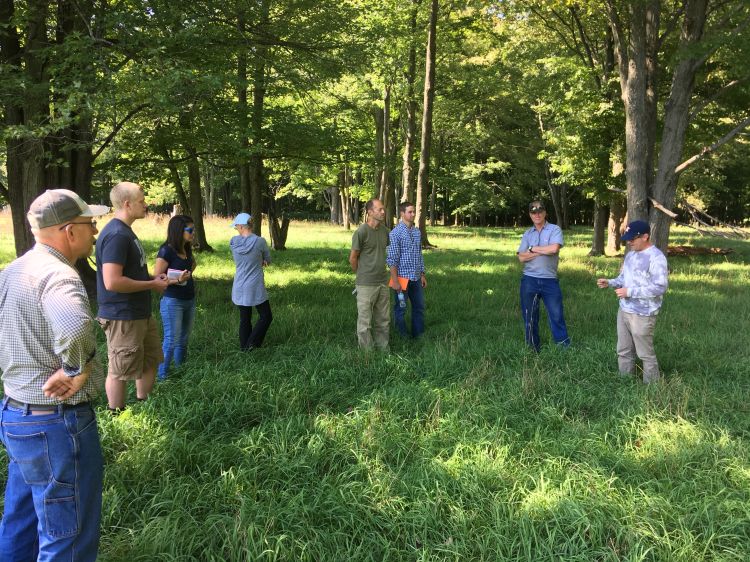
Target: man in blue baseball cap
(640,287)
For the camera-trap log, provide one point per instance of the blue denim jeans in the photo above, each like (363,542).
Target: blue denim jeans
(534,289)
(53,496)
(415,295)
(177,317)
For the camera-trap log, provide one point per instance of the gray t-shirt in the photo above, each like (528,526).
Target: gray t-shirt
(543,267)
(371,244)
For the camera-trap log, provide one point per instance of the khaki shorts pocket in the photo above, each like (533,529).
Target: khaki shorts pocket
(126,363)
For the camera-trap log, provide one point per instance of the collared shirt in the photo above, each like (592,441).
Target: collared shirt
(45,324)
(645,275)
(542,266)
(405,251)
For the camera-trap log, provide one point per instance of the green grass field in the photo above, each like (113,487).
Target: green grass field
(462,446)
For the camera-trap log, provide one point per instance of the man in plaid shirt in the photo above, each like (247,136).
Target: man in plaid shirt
(50,375)
(404,258)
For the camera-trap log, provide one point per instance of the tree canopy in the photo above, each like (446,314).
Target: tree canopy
(305,108)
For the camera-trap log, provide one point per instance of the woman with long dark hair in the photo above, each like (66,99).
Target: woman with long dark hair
(175,258)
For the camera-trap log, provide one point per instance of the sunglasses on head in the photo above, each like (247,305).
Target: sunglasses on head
(537,210)
(189,229)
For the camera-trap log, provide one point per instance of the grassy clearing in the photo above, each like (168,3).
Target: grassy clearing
(463,446)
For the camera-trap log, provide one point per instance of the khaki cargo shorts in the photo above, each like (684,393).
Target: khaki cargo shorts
(133,346)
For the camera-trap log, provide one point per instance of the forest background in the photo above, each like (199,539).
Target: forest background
(303,109)
(464,446)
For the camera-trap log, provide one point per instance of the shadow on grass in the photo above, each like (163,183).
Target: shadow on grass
(463,445)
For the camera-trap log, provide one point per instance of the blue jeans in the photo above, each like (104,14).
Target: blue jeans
(548,290)
(177,317)
(414,294)
(53,496)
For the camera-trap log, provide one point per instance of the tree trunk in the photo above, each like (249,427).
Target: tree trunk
(344,188)
(601,212)
(638,79)
(630,50)
(614,228)
(278,231)
(676,116)
(407,169)
(242,118)
(423,177)
(174,173)
(28,107)
(208,182)
(257,174)
(346,210)
(386,181)
(433,204)
(378,116)
(196,199)
(333,197)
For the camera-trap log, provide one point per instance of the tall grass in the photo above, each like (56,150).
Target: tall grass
(461,446)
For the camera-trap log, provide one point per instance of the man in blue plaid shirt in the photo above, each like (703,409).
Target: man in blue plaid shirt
(404,258)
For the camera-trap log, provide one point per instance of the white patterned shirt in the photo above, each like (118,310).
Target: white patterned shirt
(45,324)
(645,275)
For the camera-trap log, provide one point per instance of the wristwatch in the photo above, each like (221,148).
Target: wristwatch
(531,249)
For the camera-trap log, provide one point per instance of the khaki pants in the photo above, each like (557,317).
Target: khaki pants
(373,316)
(635,335)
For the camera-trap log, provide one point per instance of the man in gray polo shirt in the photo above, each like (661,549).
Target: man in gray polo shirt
(539,253)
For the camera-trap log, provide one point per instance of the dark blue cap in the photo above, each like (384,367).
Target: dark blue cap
(635,229)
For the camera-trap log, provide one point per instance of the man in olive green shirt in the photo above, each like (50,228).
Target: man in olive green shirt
(367,259)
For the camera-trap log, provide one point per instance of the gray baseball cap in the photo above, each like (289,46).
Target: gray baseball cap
(58,206)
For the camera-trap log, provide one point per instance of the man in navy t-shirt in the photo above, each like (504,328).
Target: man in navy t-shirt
(124,297)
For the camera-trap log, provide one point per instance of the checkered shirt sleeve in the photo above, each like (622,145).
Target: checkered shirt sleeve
(45,325)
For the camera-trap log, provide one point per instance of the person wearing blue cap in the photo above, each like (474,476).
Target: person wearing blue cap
(251,255)
(640,287)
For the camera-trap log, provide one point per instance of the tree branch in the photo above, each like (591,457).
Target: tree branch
(586,45)
(736,31)
(621,49)
(554,29)
(151,161)
(701,106)
(712,148)
(662,208)
(117,128)
(670,26)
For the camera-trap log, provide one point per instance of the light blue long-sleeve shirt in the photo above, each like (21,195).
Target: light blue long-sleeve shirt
(645,274)
(249,253)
